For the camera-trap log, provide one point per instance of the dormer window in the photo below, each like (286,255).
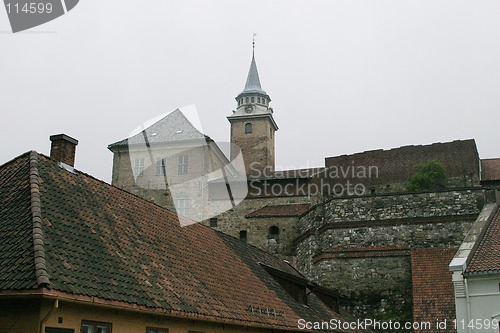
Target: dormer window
(294,285)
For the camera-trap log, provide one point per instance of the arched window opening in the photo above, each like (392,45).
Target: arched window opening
(274,233)
(248,128)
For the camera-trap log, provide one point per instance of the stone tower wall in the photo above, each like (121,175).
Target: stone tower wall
(257,147)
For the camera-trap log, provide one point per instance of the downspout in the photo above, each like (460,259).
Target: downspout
(51,311)
(467,305)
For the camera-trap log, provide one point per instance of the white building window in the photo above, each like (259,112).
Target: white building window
(182,206)
(139,167)
(95,327)
(183,164)
(161,166)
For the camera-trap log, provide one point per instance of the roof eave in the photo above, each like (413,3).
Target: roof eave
(120,305)
(256,116)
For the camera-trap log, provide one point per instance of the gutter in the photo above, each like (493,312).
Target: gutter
(47,316)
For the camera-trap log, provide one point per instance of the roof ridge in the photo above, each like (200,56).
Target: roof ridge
(42,277)
(12,160)
(427,145)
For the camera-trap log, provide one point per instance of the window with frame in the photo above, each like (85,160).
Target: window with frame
(139,167)
(182,206)
(213,222)
(95,327)
(183,164)
(58,330)
(161,166)
(248,128)
(243,235)
(156,330)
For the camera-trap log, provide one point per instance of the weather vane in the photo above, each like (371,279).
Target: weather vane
(253,41)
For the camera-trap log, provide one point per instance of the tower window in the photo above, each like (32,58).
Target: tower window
(252,99)
(246,99)
(243,235)
(248,128)
(213,222)
(258,99)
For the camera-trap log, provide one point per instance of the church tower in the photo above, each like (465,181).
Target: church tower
(253,126)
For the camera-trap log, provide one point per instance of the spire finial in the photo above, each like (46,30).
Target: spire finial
(253,43)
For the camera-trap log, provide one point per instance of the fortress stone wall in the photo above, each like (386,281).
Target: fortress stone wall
(362,246)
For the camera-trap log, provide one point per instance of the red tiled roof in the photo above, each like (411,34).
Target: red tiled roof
(490,169)
(289,210)
(487,256)
(98,242)
(433,293)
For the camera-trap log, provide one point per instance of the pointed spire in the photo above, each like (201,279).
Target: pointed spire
(253,81)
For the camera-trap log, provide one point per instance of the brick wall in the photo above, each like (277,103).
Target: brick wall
(396,166)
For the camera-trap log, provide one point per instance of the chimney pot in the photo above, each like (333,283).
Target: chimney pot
(63,149)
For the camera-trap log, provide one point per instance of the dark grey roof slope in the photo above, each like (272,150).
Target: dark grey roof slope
(171,128)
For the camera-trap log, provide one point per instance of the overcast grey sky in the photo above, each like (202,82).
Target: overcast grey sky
(344,76)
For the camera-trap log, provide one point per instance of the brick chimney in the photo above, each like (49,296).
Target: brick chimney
(63,149)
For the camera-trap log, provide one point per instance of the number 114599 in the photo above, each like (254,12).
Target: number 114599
(29,8)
